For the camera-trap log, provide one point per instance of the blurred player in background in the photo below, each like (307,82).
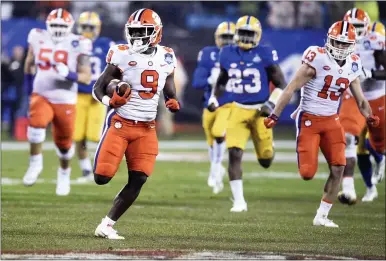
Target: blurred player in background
(371,48)
(214,123)
(90,114)
(249,67)
(130,127)
(325,74)
(61,59)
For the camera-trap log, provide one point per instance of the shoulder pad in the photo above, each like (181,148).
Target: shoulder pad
(313,56)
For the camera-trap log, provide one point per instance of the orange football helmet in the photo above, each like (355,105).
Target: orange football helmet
(341,40)
(360,19)
(143,29)
(59,24)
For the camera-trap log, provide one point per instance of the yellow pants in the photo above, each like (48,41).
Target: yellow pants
(90,116)
(215,123)
(242,123)
(361,148)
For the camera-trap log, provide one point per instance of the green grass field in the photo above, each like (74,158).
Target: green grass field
(177,211)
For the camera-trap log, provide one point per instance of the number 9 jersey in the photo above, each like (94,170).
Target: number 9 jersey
(48,83)
(248,81)
(321,95)
(147,76)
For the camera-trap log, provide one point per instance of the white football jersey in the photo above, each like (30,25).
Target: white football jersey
(147,76)
(321,95)
(372,89)
(48,83)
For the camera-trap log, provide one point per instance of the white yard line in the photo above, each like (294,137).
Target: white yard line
(163,145)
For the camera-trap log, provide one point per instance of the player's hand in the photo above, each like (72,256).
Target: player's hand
(117,101)
(173,105)
(62,69)
(372,121)
(267,109)
(212,104)
(365,74)
(271,121)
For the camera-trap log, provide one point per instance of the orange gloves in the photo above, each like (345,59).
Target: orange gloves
(173,105)
(118,101)
(271,121)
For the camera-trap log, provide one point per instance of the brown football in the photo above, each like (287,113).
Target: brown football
(118,85)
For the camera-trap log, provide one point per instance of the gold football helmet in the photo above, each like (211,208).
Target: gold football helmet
(224,34)
(248,32)
(89,25)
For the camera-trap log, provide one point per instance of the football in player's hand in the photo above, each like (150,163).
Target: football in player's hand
(118,85)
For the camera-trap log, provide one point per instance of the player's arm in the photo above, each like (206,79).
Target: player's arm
(302,76)
(363,104)
(276,76)
(84,69)
(201,73)
(380,58)
(170,94)
(218,89)
(110,73)
(29,70)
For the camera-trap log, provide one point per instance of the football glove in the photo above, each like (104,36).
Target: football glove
(173,105)
(212,103)
(271,121)
(267,109)
(117,101)
(372,121)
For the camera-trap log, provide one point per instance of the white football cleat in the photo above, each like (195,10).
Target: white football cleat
(32,174)
(379,172)
(63,182)
(107,232)
(219,185)
(348,197)
(323,221)
(211,181)
(239,206)
(370,195)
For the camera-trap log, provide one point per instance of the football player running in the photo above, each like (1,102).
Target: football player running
(324,75)
(214,123)
(61,60)
(130,127)
(246,70)
(371,48)
(90,114)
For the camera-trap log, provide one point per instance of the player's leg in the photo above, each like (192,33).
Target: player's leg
(377,140)
(263,142)
(207,124)
(82,106)
(63,130)
(237,136)
(219,146)
(333,145)
(96,116)
(40,115)
(140,155)
(366,167)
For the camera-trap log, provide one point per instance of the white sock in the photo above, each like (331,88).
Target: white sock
(85,164)
(65,171)
(218,151)
(237,190)
(348,185)
(36,160)
(324,208)
(108,221)
(210,152)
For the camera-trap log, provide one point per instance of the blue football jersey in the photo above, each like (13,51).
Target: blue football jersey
(206,62)
(248,80)
(97,61)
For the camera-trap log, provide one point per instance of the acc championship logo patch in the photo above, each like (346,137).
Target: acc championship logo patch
(75,43)
(354,67)
(168,58)
(366,44)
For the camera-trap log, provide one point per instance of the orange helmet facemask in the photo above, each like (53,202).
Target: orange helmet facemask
(341,40)
(143,29)
(59,24)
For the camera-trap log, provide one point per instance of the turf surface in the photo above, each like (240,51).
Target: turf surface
(176,210)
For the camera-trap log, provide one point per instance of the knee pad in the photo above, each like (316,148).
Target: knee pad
(65,154)
(351,146)
(265,163)
(36,135)
(101,180)
(137,178)
(307,172)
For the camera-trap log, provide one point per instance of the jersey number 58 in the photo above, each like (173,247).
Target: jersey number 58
(236,79)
